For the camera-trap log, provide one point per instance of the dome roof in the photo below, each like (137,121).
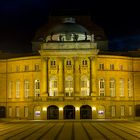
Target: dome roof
(68,26)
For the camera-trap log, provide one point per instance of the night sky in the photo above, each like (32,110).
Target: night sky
(20,19)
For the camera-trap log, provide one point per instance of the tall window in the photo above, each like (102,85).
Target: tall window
(112,87)
(10,87)
(37,87)
(111,66)
(129,88)
(52,63)
(53,88)
(10,111)
(36,67)
(84,62)
(69,86)
(101,66)
(17,111)
(113,111)
(101,87)
(122,110)
(130,110)
(17,89)
(26,67)
(26,88)
(25,111)
(120,67)
(84,86)
(121,87)
(68,62)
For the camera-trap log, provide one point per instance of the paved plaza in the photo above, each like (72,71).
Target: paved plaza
(69,130)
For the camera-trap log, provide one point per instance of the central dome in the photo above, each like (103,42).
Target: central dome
(68,30)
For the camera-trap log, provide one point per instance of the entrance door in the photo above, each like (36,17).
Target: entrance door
(52,112)
(137,110)
(69,112)
(85,112)
(2,112)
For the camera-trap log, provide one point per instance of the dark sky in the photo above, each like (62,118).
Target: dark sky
(21,18)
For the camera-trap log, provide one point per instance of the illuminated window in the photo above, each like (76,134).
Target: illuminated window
(111,66)
(120,67)
(112,87)
(122,110)
(121,87)
(101,66)
(129,88)
(26,88)
(85,86)
(84,62)
(10,111)
(17,111)
(25,111)
(36,67)
(69,86)
(26,68)
(130,110)
(53,88)
(113,111)
(10,89)
(68,62)
(101,87)
(37,87)
(17,89)
(17,68)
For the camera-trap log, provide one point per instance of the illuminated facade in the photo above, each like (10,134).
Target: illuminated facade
(72,77)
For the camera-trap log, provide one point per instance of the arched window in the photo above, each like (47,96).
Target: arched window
(37,87)
(69,85)
(53,88)
(101,87)
(112,87)
(84,86)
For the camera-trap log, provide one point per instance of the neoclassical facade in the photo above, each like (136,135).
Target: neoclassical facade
(71,77)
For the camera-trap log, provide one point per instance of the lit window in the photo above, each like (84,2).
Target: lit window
(17,68)
(111,66)
(130,110)
(121,87)
(68,86)
(37,87)
(113,111)
(36,67)
(120,67)
(26,88)
(101,87)
(26,68)
(129,88)
(17,111)
(112,87)
(68,62)
(122,110)
(53,88)
(10,89)
(10,111)
(101,66)
(25,111)
(85,86)
(17,89)
(84,62)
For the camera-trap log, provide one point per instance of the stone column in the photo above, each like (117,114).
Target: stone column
(76,77)
(44,76)
(61,77)
(93,75)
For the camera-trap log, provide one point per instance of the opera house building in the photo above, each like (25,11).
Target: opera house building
(70,74)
